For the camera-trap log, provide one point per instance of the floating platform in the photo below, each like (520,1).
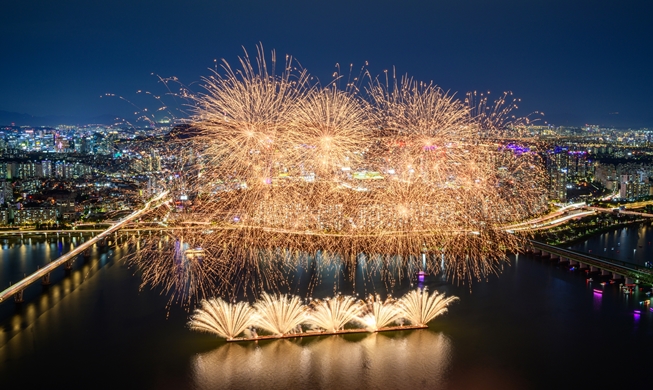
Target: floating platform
(319,333)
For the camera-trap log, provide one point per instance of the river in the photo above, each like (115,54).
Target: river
(536,326)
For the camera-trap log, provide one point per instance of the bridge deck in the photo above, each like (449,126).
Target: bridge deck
(630,270)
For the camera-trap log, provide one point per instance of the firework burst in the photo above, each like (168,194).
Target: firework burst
(281,169)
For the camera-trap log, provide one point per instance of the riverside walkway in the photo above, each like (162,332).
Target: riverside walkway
(43,273)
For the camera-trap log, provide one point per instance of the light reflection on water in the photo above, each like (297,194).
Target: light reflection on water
(417,359)
(505,334)
(632,244)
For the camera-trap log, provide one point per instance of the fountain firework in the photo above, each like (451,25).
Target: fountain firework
(420,308)
(282,315)
(333,314)
(225,319)
(379,314)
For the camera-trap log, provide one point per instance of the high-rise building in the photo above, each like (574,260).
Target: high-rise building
(156,161)
(633,187)
(557,165)
(86,146)
(46,167)
(6,192)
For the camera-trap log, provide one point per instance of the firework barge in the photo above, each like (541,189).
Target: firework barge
(325,333)
(286,316)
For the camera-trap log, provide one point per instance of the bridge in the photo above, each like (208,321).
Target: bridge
(44,273)
(633,273)
(625,212)
(46,233)
(630,271)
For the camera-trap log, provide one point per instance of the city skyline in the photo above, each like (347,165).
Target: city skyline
(329,195)
(578,63)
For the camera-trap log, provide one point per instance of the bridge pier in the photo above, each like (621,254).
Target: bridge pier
(45,279)
(573,262)
(604,272)
(630,281)
(103,245)
(69,265)
(594,269)
(19,297)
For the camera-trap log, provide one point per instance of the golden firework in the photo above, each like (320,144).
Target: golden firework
(281,169)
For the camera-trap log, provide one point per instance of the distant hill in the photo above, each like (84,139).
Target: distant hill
(7,118)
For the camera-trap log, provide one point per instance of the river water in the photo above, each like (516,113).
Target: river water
(633,244)
(535,326)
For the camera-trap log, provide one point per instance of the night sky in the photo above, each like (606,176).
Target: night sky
(577,61)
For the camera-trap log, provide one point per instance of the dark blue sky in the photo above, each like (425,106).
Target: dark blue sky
(577,61)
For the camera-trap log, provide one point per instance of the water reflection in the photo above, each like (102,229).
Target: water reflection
(417,359)
(631,244)
(598,297)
